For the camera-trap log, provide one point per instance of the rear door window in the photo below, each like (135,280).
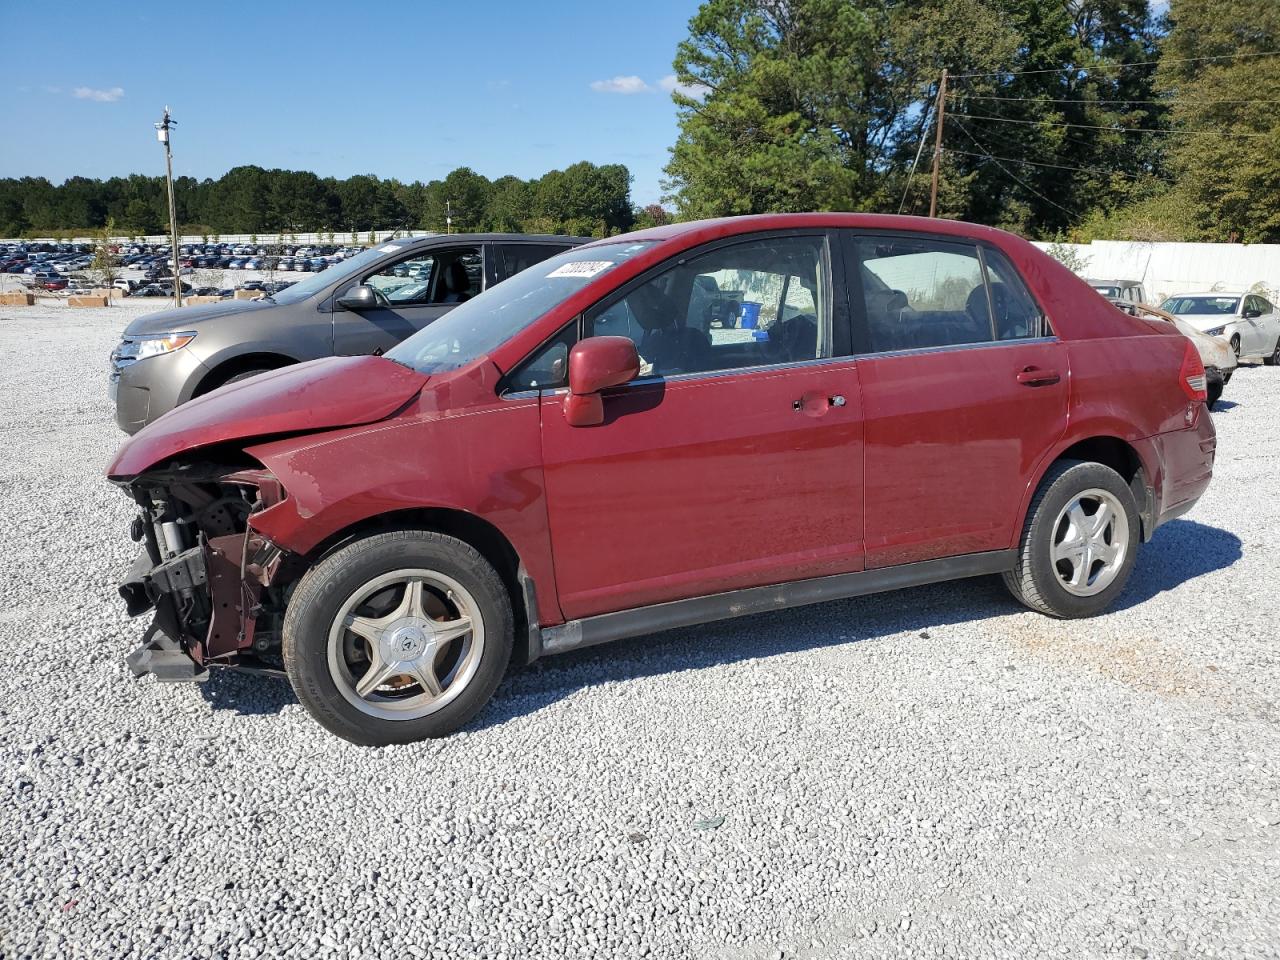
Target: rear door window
(515,257)
(920,293)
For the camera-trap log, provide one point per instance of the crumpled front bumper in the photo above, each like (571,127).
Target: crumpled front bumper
(206,602)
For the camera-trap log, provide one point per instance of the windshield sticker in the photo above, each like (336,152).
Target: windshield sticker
(583,268)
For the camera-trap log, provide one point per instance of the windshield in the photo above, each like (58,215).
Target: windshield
(1211,306)
(495,316)
(318,281)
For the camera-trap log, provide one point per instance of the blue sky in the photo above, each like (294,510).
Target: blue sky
(397,89)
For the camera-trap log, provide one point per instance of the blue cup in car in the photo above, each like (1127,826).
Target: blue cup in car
(749,316)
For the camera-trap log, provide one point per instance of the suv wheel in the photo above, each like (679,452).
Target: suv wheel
(1079,541)
(398,637)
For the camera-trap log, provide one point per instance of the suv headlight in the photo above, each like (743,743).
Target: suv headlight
(153,345)
(1217,331)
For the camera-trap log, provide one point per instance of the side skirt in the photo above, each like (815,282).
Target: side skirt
(606,627)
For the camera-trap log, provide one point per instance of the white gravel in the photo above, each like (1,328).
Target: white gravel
(927,773)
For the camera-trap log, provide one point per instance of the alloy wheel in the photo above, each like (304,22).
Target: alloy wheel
(406,644)
(1090,542)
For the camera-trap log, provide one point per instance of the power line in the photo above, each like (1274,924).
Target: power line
(1160,103)
(1108,128)
(924,129)
(1012,176)
(1103,67)
(1101,171)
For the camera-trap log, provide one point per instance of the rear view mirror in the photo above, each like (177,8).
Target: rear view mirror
(595,364)
(360,297)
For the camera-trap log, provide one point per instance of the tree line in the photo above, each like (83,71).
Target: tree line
(1064,118)
(582,199)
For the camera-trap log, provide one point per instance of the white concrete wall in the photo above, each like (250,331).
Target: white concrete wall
(1168,268)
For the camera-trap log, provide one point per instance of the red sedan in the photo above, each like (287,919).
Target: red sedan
(694,422)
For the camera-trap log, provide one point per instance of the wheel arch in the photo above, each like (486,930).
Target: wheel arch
(227,368)
(1123,456)
(483,536)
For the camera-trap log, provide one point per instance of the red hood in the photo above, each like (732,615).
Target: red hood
(321,394)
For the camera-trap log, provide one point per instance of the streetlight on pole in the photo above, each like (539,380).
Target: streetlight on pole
(162,134)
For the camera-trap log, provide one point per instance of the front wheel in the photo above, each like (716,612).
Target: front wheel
(1079,541)
(1235,345)
(398,637)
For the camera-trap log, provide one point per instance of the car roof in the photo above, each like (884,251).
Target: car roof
(435,239)
(1213,293)
(694,231)
(1116,283)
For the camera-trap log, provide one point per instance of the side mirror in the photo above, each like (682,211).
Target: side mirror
(595,364)
(359,297)
(1252,314)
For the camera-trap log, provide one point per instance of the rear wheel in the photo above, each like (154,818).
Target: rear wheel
(1274,359)
(1214,382)
(1079,541)
(398,637)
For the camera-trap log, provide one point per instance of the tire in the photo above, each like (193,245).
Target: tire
(245,375)
(1214,384)
(1274,359)
(1235,345)
(1037,580)
(324,660)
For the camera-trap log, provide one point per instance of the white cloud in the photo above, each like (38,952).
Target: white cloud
(671,84)
(101,96)
(623,85)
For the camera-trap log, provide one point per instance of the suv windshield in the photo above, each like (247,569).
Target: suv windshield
(318,281)
(493,317)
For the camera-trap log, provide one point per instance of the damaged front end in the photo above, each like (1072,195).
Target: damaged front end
(213,581)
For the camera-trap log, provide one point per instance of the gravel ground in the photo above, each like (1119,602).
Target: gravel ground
(927,773)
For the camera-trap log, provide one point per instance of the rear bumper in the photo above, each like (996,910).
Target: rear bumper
(1186,460)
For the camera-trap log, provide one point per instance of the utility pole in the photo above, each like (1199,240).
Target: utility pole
(937,145)
(448,216)
(162,134)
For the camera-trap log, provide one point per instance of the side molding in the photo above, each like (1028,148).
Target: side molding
(740,603)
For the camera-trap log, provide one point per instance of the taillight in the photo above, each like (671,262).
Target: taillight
(1192,375)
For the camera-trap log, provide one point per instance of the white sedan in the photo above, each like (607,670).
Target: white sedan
(1245,320)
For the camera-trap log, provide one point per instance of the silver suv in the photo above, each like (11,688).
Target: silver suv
(366,304)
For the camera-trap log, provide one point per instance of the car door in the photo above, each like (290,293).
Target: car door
(1256,329)
(964,388)
(734,460)
(414,291)
(1269,323)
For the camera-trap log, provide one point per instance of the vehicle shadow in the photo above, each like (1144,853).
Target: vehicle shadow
(247,694)
(1222,406)
(1180,551)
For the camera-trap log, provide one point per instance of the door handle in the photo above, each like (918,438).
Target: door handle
(1035,377)
(816,404)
